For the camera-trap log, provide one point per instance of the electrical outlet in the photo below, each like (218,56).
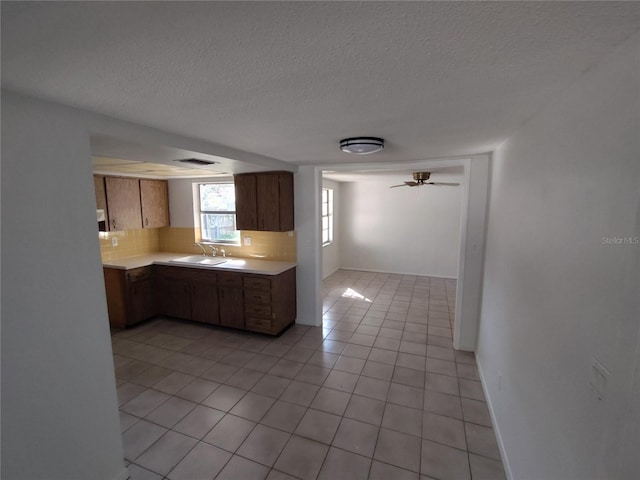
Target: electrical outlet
(247,241)
(114,241)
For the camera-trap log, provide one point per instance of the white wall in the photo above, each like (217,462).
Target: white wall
(404,230)
(307,187)
(331,252)
(554,295)
(59,407)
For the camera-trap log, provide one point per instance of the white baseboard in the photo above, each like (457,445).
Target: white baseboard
(496,427)
(325,275)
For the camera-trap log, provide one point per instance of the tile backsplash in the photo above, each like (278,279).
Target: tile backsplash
(129,243)
(264,245)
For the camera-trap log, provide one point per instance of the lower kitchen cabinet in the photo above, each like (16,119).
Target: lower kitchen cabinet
(172,295)
(270,301)
(204,297)
(259,303)
(230,296)
(130,295)
(188,293)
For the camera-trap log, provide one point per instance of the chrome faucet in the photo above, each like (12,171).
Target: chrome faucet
(224,254)
(204,252)
(214,250)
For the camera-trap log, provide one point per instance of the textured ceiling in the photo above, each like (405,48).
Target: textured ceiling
(289,79)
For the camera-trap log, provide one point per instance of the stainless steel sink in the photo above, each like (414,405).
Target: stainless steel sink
(199,260)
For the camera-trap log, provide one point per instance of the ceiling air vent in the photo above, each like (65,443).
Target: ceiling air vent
(196,161)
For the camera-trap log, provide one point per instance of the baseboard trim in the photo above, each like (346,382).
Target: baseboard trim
(496,427)
(324,277)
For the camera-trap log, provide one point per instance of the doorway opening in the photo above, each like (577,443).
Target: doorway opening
(473,207)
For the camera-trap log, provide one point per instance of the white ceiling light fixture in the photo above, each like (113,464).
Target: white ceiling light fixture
(361,145)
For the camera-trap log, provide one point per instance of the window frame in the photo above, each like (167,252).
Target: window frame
(328,216)
(201,213)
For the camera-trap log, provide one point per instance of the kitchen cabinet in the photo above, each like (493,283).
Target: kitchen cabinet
(255,302)
(132,203)
(264,201)
(230,296)
(188,293)
(204,296)
(123,203)
(154,199)
(246,202)
(130,295)
(101,201)
(173,294)
(270,301)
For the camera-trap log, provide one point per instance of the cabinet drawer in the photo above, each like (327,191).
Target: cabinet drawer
(259,310)
(229,279)
(258,324)
(138,274)
(257,283)
(253,296)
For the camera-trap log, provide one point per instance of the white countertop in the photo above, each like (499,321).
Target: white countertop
(234,264)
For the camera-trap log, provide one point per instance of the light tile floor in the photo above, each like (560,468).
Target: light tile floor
(376,393)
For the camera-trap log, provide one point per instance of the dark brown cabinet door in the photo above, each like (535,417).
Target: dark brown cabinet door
(264,201)
(246,204)
(101,201)
(174,297)
(285,183)
(204,303)
(154,197)
(123,201)
(268,194)
(231,306)
(141,301)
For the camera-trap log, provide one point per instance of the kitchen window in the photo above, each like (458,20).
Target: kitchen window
(327,216)
(218,213)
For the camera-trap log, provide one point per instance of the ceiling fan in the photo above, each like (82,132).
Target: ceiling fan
(420,178)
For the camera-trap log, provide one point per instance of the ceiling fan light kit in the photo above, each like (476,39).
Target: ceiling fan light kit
(361,145)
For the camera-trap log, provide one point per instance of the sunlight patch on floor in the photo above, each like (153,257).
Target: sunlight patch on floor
(350,293)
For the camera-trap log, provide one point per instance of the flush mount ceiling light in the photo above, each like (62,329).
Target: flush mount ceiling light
(361,145)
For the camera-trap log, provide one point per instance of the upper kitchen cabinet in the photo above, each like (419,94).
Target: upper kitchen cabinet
(264,201)
(154,197)
(101,203)
(123,203)
(246,202)
(131,203)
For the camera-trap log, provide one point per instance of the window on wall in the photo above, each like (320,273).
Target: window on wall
(218,213)
(327,216)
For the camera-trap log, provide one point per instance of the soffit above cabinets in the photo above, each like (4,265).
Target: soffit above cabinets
(133,168)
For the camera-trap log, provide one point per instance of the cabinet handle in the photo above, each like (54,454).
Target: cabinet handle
(113,223)
(146,221)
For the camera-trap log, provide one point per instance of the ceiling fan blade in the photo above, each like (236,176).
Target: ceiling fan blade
(441,184)
(406,184)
